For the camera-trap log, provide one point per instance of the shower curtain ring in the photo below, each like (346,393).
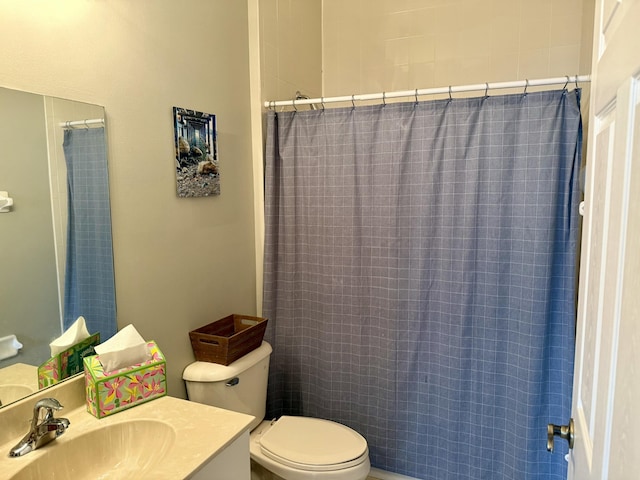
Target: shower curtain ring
(294,105)
(486,90)
(384,99)
(577,86)
(566,83)
(322,103)
(450,97)
(526,85)
(353,102)
(416,96)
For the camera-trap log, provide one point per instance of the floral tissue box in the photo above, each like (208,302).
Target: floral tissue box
(112,392)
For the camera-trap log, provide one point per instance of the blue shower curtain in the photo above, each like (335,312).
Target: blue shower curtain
(420,277)
(89,277)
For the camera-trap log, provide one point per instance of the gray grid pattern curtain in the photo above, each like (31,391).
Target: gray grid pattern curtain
(420,272)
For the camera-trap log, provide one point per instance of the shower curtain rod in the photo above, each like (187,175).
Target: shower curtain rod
(82,123)
(432,91)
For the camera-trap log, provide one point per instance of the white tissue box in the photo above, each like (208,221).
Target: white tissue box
(111,392)
(66,363)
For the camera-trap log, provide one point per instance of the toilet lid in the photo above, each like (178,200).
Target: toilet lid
(313,444)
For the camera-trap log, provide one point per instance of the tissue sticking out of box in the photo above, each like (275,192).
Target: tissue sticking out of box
(124,349)
(73,335)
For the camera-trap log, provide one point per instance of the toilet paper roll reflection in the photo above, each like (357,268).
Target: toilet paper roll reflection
(9,346)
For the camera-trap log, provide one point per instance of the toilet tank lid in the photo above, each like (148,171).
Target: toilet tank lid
(214,372)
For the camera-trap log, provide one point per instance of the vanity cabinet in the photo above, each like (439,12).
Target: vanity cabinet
(232,463)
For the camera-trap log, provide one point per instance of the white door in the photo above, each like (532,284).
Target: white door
(606,393)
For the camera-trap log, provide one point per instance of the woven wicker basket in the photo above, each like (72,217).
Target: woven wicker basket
(226,340)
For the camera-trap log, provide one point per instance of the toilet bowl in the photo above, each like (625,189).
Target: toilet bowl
(292,448)
(300,448)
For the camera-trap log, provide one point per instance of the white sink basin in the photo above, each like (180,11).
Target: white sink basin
(12,392)
(133,449)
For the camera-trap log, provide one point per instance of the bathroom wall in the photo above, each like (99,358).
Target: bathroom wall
(586,57)
(290,48)
(586,41)
(383,45)
(179,263)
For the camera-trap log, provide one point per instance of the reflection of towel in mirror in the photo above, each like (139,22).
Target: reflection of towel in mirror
(74,334)
(9,346)
(125,348)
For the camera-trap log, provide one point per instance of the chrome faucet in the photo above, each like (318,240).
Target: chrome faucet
(44,429)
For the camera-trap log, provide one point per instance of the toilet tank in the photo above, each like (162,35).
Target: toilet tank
(241,386)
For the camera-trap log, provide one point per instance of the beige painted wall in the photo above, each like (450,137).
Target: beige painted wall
(586,57)
(179,263)
(383,45)
(291,48)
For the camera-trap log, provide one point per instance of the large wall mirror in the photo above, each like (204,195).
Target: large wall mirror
(33,234)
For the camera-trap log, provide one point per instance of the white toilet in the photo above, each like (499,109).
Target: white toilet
(292,448)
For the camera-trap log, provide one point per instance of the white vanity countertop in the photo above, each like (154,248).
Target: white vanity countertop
(201,432)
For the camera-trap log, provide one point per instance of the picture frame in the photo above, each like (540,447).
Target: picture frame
(196,158)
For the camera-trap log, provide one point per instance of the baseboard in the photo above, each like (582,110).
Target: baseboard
(382,475)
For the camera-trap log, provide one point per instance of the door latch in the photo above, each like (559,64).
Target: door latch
(562,431)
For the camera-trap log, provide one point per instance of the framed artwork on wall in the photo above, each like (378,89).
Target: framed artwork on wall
(197,169)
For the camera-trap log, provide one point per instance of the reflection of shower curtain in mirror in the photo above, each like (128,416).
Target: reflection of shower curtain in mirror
(89,278)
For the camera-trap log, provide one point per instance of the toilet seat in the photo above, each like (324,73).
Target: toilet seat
(313,444)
